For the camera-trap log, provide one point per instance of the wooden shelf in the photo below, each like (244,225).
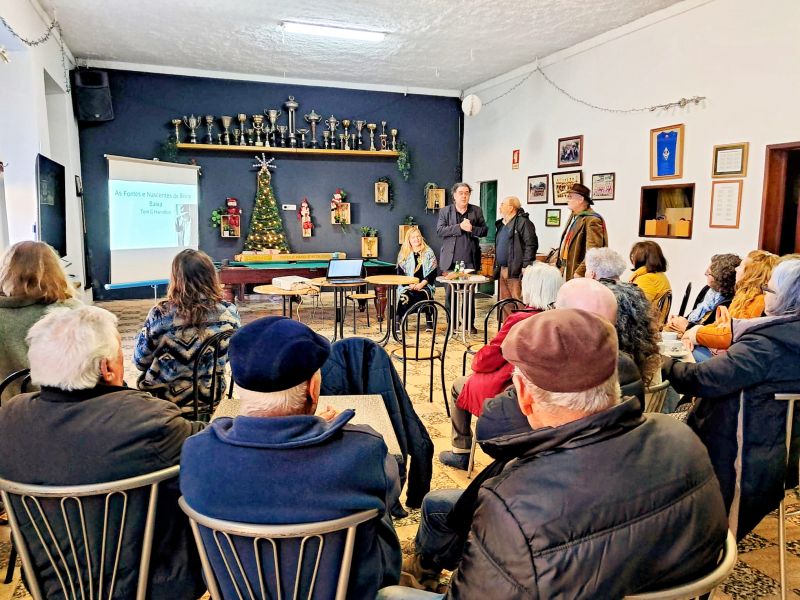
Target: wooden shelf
(279,150)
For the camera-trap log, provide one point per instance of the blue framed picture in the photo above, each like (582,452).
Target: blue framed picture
(666,152)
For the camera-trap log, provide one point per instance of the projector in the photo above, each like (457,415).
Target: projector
(291,282)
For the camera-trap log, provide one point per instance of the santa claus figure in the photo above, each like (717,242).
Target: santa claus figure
(305,218)
(234,212)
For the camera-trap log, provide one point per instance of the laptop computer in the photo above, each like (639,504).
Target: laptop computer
(345,270)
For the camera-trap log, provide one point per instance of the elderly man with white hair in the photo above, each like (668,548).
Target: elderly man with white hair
(515,248)
(85,426)
(604,264)
(278,463)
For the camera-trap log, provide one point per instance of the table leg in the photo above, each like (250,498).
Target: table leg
(391,291)
(228,293)
(380,301)
(283,298)
(336,316)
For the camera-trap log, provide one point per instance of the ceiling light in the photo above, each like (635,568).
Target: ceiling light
(337,32)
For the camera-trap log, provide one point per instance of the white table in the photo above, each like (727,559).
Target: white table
(462,299)
(370,410)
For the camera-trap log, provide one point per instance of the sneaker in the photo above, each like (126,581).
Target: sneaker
(457,461)
(414,575)
(429,327)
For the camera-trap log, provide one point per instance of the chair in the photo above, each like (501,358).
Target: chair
(85,559)
(700,586)
(430,308)
(782,514)
(663,307)
(213,347)
(24,374)
(267,549)
(357,297)
(685,300)
(654,397)
(700,295)
(498,309)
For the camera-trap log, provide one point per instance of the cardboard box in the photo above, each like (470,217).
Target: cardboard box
(656,227)
(676,214)
(681,228)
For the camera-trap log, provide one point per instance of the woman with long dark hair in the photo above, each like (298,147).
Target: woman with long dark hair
(649,270)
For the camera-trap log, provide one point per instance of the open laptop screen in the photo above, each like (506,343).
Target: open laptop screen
(344,267)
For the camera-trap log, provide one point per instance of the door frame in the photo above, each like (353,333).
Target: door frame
(774,197)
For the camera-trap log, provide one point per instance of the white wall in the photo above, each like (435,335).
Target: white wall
(33,122)
(743,56)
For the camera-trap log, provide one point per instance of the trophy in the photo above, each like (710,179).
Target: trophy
(325,135)
(346,125)
(372,127)
(272,115)
(359,127)
(384,137)
(332,124)
(353,141)
(192,123)
(250,140)
(219,139)
(312,119)
(302,133)
(291,107)
(209,127)
(282,129)
(394,140)
(342,143)
(242,118)
(258,125)
(177,124)
(226,122)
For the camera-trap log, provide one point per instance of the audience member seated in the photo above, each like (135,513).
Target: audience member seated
(85,426)
(721,279)
(176,328)
(416,259)
(582,511)
(604,264)
(649,270)
(737,417)
(491,373)
(278,463)
(748,303)
(32,282)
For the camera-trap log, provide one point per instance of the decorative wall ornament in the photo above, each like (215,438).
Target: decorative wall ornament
(304,216)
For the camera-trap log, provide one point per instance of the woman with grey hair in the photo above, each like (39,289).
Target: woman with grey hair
(737,411)
(604,264)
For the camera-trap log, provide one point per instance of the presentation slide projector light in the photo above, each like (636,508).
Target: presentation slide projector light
(291,282)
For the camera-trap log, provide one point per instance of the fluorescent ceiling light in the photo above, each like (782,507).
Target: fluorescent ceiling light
(337,32)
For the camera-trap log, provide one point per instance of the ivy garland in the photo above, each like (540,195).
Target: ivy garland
(403,160)
(389,185)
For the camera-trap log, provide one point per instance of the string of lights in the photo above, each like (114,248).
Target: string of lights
(54,26)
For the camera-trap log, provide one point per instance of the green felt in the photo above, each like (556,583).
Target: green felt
(302,264)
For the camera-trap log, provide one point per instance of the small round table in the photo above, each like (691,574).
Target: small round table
(462,297)
(274,290)
(339,290)
(391,281)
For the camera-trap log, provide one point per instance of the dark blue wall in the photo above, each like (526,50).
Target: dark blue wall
(144,104)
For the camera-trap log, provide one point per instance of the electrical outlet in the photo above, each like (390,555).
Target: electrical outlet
(289,206)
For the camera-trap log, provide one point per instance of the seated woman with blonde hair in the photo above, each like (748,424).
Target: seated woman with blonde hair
(416,259)
(32,282)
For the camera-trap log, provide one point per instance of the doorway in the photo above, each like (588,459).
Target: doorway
(780,219)
(489,209)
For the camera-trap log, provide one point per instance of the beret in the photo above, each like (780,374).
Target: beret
(273,354)
(563,350)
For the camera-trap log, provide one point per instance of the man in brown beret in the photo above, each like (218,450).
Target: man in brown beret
(585,229)
(582,508)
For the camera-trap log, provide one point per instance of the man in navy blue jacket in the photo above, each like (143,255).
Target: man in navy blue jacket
(278,463)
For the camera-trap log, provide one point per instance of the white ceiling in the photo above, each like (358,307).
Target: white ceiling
(436,44)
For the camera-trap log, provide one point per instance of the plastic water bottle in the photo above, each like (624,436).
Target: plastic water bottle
(462,266)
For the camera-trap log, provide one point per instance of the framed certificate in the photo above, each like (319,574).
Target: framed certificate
(726,204)
(730,160)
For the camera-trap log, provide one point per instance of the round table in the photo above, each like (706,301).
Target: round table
(462,297)
(339,290)
(391,282)
(274,290)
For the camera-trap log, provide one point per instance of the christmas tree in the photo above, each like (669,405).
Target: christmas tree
(266,227)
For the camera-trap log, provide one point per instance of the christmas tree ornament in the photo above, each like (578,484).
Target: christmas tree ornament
(266,227)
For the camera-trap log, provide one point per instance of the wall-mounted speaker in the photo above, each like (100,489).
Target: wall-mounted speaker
(91,95)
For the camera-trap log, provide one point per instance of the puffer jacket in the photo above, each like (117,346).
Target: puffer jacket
(608,505)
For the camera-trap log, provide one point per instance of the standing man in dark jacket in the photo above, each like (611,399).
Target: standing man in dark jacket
(84,427)
(515,248)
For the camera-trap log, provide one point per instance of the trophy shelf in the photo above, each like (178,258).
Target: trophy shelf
(279,150)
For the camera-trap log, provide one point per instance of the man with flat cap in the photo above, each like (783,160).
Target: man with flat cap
(585,229)
(278,463)
(599,500)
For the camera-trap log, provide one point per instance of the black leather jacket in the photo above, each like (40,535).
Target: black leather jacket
(523,244)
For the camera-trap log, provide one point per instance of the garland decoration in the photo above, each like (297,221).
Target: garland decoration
(403,160)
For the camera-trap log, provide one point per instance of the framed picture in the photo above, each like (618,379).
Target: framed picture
(730,160)
(570,151)
(537,189)
(726,204)
(562,182)
(435,199)
(552,217)
(666,152)
(382,192)
(603,186)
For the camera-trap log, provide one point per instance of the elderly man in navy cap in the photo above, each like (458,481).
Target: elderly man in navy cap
(278,463)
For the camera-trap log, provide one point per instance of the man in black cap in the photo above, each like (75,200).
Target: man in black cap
(585,229)
(278,463)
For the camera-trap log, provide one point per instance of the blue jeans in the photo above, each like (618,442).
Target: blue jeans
(436,542)
(398,592)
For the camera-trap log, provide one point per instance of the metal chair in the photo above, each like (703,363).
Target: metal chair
(273,552)
(654,397)
(702,585)
(431,309)
(663,307)
(498,309)
(24,374)
(84,559)
(211,348)
(685,300)
(782,514)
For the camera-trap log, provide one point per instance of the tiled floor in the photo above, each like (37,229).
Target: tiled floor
(756,573)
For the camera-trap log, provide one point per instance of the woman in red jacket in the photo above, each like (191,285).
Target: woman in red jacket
(491,373)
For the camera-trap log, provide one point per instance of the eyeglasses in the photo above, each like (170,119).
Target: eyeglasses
(766,289)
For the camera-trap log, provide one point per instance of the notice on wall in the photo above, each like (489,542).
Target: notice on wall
(726,202)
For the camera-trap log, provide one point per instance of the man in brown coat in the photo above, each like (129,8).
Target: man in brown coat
(585,229)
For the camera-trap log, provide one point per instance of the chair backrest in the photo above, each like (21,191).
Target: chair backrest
(85,532)
(24,375)
(700,295)
(702,585)
(498,310)
(685,300)
(212,348)
(654,397)
(433,309)
(663,307)
(274,561)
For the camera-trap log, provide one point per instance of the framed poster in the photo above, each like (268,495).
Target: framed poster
(726,204)
(603,186)
(552,217)
(537,189)
(382,192)
(666,152)
(570,151)
(562,182)
(730,160)
(435,199)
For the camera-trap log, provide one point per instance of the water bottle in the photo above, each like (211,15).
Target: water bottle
(462,266)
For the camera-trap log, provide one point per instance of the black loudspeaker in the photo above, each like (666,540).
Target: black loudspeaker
(91,96)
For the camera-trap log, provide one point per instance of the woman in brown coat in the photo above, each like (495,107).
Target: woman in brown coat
(585,229)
